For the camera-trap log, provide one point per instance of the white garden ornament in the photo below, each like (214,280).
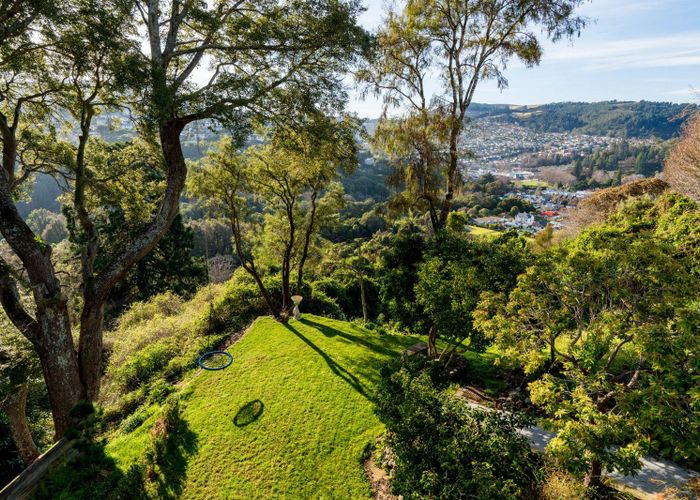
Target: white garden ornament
(297,300)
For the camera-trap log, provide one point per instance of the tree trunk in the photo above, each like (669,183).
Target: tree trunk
(49,330)
(90,353)
(59,362)
(247,263)
(286,290)
(452,172)
(97,290)
(593,477)
(363,297)
(287,265)
(432,343)
(15,406)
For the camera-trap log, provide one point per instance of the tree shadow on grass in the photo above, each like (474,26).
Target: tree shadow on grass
(180,445)
(335,367)
(249,413)
(329,331)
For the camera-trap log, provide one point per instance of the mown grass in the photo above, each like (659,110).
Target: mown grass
(482,231)
(533,183)
(290,418)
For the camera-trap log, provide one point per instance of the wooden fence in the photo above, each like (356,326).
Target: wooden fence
(23,485)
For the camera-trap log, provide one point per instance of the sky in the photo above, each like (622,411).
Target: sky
(631,50)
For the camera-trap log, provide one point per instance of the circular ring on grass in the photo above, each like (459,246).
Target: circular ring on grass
(215,360)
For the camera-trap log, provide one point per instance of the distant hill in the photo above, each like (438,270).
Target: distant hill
(627,119)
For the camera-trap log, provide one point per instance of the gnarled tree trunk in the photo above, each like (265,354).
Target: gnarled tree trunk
(59,362)
(15,406)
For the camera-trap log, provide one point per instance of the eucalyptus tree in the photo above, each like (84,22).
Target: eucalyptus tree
(463,42)
(291,179)
(231,62)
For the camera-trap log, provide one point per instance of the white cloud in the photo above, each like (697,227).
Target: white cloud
(649,52)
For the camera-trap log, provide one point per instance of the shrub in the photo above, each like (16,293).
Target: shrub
(560,485)
(134,421)
(321,304)
(155,342)
(159,390)
(124,405)
(443,447)
(166,304)
(144,365)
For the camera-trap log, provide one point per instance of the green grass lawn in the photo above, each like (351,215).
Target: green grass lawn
(533,183)
(290,417)
(482,231)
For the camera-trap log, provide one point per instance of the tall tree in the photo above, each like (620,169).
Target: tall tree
(464,42)
(292,178)
(262,59)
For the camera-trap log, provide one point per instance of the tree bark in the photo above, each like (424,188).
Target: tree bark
(15,406)
(432,343)
(59,362)
(50,330)
(594,474)
(287,263)
(247,263)
(91,346)
(363,297)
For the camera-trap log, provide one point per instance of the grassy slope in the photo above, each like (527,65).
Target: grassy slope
(314,378)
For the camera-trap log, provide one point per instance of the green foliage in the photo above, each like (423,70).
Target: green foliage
(48,225)
(515,205)
(610,314)
(456,222)
(623,159)
(146,364)
(134,421)
(120,209)
(456,271)
(420,38)
(164,337)
(397,275)
(292,178)
(442,446)
(170,266)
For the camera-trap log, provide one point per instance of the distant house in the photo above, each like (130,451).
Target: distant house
(524,219)
(550,213)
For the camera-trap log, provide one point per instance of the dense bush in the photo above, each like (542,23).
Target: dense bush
(457,269)
(445,448)
(397,275)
